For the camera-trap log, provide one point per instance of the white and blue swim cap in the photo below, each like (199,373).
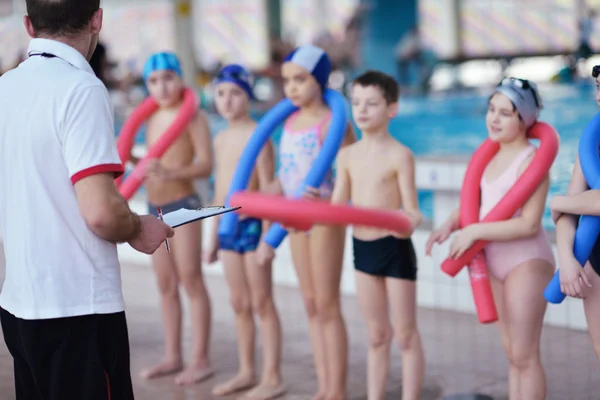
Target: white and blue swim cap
(314,60)
(238,75)
(524,95)
(164,61)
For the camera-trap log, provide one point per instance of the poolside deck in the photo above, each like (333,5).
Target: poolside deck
(462,356)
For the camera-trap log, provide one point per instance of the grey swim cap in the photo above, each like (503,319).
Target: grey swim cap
(525,97)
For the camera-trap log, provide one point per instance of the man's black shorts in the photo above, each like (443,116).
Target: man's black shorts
(76,358)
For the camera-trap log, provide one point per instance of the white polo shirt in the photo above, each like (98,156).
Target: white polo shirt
(56,127)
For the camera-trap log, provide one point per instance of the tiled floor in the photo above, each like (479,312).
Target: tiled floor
(462,356)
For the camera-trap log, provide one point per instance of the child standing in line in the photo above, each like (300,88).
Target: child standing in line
(576,281)
(317,255)
(250,286)
(170,186)
(519,254)
(379,172)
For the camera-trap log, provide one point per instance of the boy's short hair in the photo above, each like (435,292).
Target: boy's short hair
(60,17)
(386,83)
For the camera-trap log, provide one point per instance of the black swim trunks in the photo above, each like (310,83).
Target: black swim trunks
(595,257)
(389,257)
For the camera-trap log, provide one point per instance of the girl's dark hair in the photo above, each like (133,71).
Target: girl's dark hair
(60,17)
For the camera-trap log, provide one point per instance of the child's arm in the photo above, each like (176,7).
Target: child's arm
(265,168)
(349,137)
(441,234)
(408,187)
(267,180)
(341,189)
(219,198)
(584,203)
(526,225)
(566,225)
(201,140)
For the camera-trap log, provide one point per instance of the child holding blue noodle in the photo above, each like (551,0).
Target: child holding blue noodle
(318,254)
(250,286)
(576,281)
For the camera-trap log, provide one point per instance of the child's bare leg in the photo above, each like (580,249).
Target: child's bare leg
(403,305)
(261,287)
(525,308)
(187,254)
(241,301)
(300,254)
(372,299)
(513,373)
(168,286)
(591,305)
(327,253)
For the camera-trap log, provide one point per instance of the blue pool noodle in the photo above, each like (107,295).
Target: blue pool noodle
(322,165)
(589,226)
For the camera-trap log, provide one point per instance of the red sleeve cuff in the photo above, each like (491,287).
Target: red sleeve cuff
(117,169)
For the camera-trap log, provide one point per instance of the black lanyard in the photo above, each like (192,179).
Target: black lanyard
(45,55)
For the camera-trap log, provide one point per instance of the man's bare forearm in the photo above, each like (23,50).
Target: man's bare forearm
(126,224)
(117,224)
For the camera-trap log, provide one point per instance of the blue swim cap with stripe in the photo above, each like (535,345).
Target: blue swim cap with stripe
(314,60)
(164,61)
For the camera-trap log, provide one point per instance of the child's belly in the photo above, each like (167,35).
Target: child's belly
(383,196)
(169,191)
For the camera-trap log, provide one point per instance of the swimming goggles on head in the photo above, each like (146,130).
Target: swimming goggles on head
(235,75)
(521,84)
(595,71)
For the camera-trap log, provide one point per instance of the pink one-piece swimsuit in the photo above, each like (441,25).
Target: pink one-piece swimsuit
(298,151)
(503,256)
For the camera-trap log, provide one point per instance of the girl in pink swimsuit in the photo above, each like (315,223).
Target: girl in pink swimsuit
(519,254)
(317,256)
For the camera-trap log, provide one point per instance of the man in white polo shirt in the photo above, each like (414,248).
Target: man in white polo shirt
(62,308)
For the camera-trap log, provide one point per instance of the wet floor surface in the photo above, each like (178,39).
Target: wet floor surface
(462,355)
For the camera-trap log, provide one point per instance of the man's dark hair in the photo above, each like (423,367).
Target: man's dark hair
(386,83)
(60,17)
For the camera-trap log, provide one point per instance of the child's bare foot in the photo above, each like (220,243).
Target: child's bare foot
(237,383)
(193,374)
(163,368)
(321,395)
(265,391)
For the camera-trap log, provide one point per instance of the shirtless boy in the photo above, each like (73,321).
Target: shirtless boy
(170,186)
(250,286)
(379,172)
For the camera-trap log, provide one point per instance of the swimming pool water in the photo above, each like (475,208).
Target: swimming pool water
(454,123)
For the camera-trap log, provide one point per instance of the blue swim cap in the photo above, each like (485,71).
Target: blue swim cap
(314,60)
(164,61)
(238,75)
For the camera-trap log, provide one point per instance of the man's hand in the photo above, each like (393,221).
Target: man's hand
(153,232)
